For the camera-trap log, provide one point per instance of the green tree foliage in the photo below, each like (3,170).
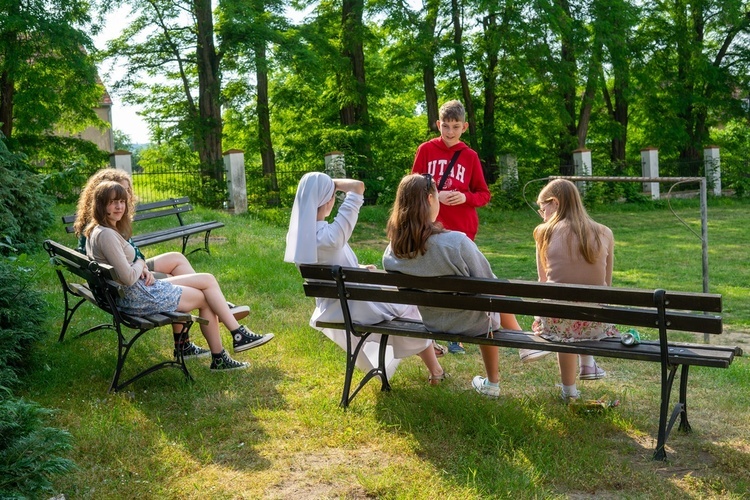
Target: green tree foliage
(47,77)
(540,79)
(696,64)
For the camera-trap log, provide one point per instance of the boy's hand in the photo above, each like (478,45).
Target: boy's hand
(451,197)
(369,267)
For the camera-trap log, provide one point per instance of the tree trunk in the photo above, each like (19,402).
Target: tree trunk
(428,64)
(7,89)
(461,65)
(209,128)
(567,84)
(267,156)
(353,111)
(489,140)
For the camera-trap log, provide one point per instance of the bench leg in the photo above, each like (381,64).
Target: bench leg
(68,316)
(667,379)
(205,244)
(123,349)
(684,424)
(351,360)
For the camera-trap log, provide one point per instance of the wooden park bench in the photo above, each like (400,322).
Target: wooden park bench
(166,208)
(98,286)
(658,309)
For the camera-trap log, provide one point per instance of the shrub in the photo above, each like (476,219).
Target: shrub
(25,211)
(29,450)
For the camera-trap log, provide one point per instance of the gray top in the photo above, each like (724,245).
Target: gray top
(450,253)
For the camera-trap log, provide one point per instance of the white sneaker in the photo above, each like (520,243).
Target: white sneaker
(480,385)
(529,355)
(570,398)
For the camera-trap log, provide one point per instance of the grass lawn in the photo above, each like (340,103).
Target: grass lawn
(275,430)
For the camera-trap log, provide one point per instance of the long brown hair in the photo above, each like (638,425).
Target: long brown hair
(569,208)
(86,199)
(409,225)
(103,194)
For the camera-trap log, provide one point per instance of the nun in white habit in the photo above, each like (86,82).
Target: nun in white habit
(312,240)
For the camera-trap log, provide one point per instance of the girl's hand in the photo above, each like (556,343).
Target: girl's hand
(370,267)
(148,277)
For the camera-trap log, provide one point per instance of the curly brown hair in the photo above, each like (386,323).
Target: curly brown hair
(104,193)
(86,199)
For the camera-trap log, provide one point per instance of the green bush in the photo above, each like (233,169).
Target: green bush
(25,211)
(29,450)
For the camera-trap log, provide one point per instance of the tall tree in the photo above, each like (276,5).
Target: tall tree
(172,41)
(47,77)
(616,23)
(246,29)
(691,78)
(458,49)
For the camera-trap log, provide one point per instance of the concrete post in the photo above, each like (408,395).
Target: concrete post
(234,165)
(582,163)
(335,164)
(122,160)
(650,165)
(509,170)
(712,162)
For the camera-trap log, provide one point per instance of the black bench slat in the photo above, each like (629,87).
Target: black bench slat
(162,235)
(165,208)
(499,303)
(661,310)
(552,291)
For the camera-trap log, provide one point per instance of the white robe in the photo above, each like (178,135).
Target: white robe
(333,249)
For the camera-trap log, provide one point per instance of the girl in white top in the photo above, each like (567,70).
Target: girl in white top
(312,240)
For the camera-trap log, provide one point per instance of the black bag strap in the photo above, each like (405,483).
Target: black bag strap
(448,170)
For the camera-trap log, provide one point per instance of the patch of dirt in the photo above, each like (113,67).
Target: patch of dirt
(326,474)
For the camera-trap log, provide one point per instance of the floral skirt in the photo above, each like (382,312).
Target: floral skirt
(142,300)
(572,330)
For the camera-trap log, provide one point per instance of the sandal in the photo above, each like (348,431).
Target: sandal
(436,379)
(440,350)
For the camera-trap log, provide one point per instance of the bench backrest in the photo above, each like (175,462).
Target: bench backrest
(683,311)
(146,211)
(101,278)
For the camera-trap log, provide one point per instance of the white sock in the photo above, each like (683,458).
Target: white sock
(585,360)
(491,384)
(570,390)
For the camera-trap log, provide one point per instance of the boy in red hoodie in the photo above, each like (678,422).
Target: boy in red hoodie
(464,188)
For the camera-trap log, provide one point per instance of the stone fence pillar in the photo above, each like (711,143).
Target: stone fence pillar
(509,170)
(122,160)
(650,165)
(711,160)
(335,165)
(234,165)
(582,164)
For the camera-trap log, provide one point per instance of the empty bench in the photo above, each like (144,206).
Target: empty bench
(99,287)
(172,207)
(658,309)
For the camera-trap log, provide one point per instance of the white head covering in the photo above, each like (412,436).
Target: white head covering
(315,189)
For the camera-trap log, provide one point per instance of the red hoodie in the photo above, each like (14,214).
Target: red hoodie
(466,177)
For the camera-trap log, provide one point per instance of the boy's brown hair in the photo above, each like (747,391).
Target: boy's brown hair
(452,111)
